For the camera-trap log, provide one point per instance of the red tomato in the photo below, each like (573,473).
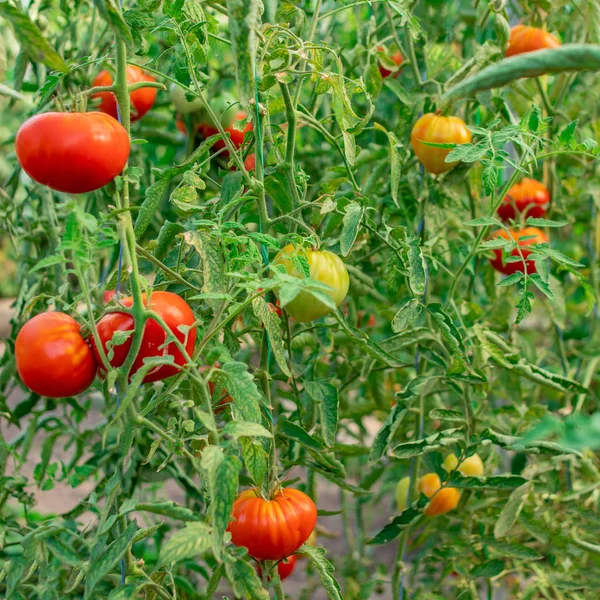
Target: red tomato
(513,267)
(108,295)
(250,162)
(223,401)
(442,500)
(237,137)
(72,152)
(272,529)
(174,310)
(441,130)
(141,99)
(396,57)
(181,126)
(529,197)
(285,567)
(53,360)
(528,39)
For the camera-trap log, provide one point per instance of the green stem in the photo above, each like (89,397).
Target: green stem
(288,164)
(176,276)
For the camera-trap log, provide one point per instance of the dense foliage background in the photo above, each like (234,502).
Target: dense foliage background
(432,352)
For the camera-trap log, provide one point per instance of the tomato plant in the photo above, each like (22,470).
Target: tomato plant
(52,358)
(72,152)
(276,255)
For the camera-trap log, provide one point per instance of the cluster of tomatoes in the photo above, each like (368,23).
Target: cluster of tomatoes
(443,498)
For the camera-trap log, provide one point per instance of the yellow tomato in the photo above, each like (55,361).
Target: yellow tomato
(470,467)
(324,266)
(442,501)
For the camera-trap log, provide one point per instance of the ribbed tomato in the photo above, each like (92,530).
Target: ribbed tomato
(396,58)
(442,500)
(141,99)
(528,39)
(237,136)
(72,152)
(174,310)
(529,197)
(272,529)
(285,567)
(53,360)
(432,127)
(535,235)
(325,267)
(471,466)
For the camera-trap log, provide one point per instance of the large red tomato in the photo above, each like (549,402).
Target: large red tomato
(396,57)
(324,266)
(237,136)
(432,127)
(512,267)
(528,39)
(53,360)
(285,567)
(141,99)
(72,152)
(442,500)
(529,197)
(272,529)
(174,310)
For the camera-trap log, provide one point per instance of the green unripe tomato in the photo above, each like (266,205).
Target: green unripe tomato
(402,489)
(182,104)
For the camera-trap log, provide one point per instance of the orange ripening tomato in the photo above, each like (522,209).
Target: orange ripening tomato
(529,197)
(442,501)
(74,153)
(237,136)
(396,58)
(528,39)
(141,99)
(512,267)
(441,130)
(53,360)
(285,567)
(250,162)
(174,310)
(272,529)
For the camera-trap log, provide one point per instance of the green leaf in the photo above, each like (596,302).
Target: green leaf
(326,396)
(545,222)
(567,134)
(512,549)
(294,431)
(186,543)
(496,482)
(107,560)
(416,268)
(488,569)
(31,39)
(511,510)
(111,13)
(483,222)
(243,24)
(240,385)
(243,578)
(231,188)
(444,414)
(170,509)
(272,325)
(394,528)
(407,315)
(277,187)
(154,195)
(65,554)
(351,221)
(325,570)
(570,57)
(222,473)
(255,458)
(238,429)
(395,162)
(209,250)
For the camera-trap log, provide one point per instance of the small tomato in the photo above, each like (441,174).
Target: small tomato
(53,360)
(401,493)
(443,499)
(272,529)
(470,467)
(325,267)
(528,39)
(529,197)
(397,58)
(141,99)
(441,130)
(182,104)
(534,235)
(74,153)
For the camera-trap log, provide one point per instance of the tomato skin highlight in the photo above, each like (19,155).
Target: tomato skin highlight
(141,99)
(441,130)
(529,197)
(529,39)
(73,153)
(513,267)
(442,501)
(285,567)
(53,360)
(324,266)
(396,57)
(272,529)
(174,310)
